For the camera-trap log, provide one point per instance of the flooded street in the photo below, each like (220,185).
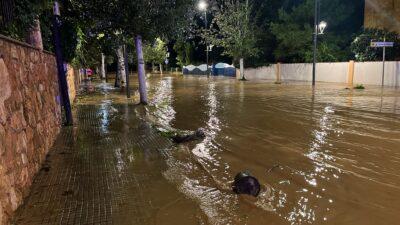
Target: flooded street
(323,156)
(328,156)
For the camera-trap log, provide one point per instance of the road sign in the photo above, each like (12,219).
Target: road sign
(380,44)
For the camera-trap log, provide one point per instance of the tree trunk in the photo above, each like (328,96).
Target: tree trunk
(141,72)
(241,69)
(85,75)
(103,67)
(117,75)
(121,64)
(161,68)
(34,36)
(153,68)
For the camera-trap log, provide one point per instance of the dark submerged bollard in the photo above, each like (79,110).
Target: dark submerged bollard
(182,138)
(246,184)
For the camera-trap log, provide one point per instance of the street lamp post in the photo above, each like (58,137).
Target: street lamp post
(203,7)
(318,30)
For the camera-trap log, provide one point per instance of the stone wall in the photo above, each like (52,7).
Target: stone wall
(29,118)
(382,14)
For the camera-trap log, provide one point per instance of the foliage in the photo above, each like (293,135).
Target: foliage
(273,30)
(361,46)
(24,13)
(293,33)
(29,10)
(184,52)
(155,52)
(94,26)
(233,29)
(116,22)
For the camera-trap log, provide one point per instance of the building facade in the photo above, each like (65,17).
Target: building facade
(382,14)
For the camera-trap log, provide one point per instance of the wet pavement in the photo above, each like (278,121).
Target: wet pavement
(324,156)
(106,169)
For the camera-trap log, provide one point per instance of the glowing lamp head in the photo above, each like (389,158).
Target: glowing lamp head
(321,27)
(202,5)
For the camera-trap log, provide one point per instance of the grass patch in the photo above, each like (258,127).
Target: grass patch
(359,87)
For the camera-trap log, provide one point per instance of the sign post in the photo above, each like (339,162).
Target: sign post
(383,45)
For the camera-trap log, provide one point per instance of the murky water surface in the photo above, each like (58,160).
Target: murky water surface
(323,156)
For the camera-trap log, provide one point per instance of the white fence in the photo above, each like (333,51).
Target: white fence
(368,73)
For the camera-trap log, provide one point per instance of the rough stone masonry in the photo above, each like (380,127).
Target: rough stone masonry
(29,118)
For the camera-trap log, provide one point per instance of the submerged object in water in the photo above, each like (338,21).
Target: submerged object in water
(182,138)
(246,184)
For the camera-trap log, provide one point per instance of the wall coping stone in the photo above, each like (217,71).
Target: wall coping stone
(14,41)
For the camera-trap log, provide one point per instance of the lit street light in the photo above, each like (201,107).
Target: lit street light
(202,5)
(319,30)
(321,27)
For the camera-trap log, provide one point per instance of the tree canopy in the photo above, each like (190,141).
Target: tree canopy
(233,29)
(155,52)
(93,26)
(361,46)
(274,30)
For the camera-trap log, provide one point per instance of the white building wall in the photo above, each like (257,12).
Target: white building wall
(370,73)
(367,73)
(261,73)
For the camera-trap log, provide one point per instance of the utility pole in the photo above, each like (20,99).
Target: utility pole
(383,62)
(205,17)
(315,41)
(203,7)
(62,79)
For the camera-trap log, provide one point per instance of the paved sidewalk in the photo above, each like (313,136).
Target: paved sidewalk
(106,169)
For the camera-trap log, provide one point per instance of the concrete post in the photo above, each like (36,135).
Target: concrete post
(350,74)
(35,35)
(278,72)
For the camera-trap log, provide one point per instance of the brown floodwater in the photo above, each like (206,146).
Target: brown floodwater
(324,156)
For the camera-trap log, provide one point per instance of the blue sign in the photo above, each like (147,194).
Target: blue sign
(382,44)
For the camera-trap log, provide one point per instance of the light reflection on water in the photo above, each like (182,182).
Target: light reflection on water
(162,101)
(192,169)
